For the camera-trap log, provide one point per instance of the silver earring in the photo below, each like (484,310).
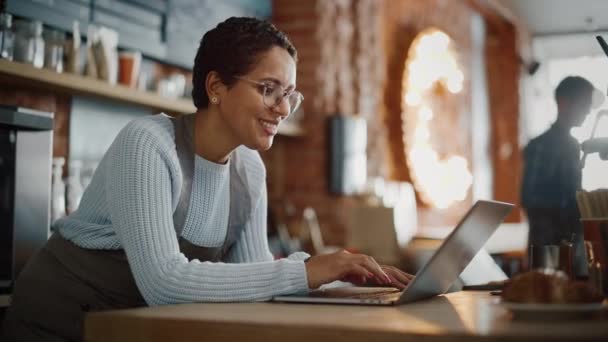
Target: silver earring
(214,99)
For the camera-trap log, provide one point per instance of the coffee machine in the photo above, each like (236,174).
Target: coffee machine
(594,144)
(597,144)
(26,148)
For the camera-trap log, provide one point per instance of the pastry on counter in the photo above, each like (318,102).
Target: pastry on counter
(548,287)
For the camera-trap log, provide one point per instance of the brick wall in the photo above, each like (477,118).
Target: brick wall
(340,73)
(503,82)
(367,82)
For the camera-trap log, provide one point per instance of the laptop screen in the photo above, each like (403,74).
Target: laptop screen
(457,250)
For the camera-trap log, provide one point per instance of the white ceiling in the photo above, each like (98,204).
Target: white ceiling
(554,17)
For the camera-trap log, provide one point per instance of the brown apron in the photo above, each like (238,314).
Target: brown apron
(63,282)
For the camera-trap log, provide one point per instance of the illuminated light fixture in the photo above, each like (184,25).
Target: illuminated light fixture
(431,63)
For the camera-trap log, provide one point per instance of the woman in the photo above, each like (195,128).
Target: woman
(176,211)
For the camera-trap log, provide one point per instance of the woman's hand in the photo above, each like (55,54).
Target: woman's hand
(359,269)
(399,279)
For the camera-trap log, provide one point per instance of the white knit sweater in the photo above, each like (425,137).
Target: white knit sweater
(129,204)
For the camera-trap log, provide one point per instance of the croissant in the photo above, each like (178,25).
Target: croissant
(548,288)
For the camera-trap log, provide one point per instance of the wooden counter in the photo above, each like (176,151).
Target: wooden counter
(461,316)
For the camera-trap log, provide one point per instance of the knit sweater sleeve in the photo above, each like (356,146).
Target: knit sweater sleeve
(139,187)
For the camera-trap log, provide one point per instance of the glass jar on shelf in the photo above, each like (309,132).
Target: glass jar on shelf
(54,41)
(7,37)
(74,185)
(29,45)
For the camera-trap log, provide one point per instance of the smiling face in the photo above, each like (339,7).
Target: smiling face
(242,107)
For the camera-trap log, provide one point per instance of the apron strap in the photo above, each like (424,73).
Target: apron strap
(184,137)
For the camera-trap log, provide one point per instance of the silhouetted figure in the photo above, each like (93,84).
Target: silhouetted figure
(552,173)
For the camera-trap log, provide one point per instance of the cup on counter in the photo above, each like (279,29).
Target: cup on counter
(544,257)
(566,258)
(129,63)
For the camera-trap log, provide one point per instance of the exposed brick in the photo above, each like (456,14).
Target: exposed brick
(335,80)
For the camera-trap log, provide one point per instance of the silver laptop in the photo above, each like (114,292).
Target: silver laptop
(436,276)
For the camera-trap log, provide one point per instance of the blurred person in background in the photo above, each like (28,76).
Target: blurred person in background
(552,174)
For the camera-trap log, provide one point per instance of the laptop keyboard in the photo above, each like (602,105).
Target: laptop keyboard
(373,295)
(355,293)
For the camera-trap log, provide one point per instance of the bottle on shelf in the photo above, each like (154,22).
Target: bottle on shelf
(58,190)
(74,185)
(53,49)
(72,50)
(7,36)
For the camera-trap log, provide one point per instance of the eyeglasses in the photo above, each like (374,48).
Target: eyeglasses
(273,94)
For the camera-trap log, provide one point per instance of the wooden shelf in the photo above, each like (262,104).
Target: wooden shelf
(25,74)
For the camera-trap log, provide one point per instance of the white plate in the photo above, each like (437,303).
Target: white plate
(552,312)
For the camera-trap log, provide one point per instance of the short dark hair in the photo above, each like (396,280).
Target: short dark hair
(231,49)
(573,87)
